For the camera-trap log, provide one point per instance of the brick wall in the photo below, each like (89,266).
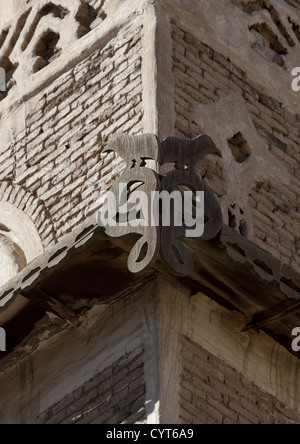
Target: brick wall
(54,170)
(213,393)
(203,76)
(115,396)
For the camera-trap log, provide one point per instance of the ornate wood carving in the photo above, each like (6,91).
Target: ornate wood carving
(136,151)
(185,154)
(139,175)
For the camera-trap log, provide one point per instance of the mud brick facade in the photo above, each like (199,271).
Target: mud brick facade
(116,395)
(204,76)
(115,348)
(211,393)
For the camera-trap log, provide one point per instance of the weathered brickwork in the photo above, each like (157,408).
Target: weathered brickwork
(203,76)
(65,128)
(115,396)
(214,393)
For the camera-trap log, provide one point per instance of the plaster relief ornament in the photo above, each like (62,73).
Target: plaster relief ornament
(161,209)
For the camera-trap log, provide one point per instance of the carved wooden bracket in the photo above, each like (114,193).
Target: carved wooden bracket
(144,156)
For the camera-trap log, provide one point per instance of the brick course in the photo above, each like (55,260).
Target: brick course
(211,392)
(204,76)
(114,396)
(65,129)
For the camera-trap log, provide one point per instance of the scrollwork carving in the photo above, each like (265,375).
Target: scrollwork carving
(123,216)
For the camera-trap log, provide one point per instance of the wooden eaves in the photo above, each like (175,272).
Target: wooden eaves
(88,264)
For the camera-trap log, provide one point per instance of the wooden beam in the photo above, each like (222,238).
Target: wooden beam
(274,314)
(49,303)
